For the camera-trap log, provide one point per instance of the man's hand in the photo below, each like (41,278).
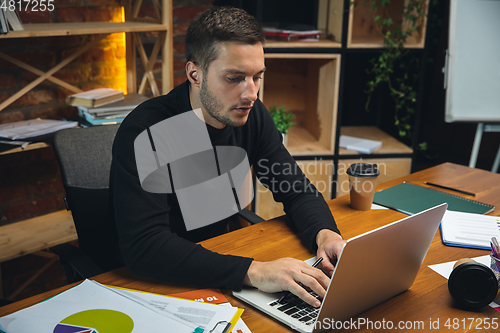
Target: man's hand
(330,245)
(285,275)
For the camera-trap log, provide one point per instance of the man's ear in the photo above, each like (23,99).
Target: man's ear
(193,73)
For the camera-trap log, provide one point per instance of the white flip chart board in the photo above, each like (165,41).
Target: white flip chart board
(472,70)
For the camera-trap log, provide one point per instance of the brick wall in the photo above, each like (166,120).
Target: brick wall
(30,182)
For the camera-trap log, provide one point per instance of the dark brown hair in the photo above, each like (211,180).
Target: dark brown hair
(216,25)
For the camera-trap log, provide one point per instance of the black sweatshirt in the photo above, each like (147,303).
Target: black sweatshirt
(153,238)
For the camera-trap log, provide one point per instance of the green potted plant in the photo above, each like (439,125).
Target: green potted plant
(282,119)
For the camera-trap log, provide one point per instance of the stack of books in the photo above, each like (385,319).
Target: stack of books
(103,110)
(9,19)
(95,97)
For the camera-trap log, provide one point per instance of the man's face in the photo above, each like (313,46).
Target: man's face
(230,86)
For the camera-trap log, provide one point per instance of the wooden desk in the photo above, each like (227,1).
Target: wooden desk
(427,300)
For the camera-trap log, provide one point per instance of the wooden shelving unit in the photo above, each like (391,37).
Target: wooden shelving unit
(32,235)
(319,172)
(306,77)
(86,28)
(363,32)
(322,43)
(307,84)
(132,27)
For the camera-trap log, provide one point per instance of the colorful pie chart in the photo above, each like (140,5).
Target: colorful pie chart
(96,321)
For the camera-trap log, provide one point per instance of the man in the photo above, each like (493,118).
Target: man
(225,63)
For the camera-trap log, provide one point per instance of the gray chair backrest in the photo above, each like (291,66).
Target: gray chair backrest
(84,155)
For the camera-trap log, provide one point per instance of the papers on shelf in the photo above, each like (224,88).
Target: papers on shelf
(469,230)
(22,144)
(364,146)
(32,128)
(289,34)
(95,307)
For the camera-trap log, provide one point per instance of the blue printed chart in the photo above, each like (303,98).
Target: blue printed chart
(96,321)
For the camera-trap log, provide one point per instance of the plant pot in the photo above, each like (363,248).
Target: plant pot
(285,139)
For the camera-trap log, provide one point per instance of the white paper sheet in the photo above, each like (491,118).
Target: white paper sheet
(33,128)
(446,268)
(204,315)
(469,229)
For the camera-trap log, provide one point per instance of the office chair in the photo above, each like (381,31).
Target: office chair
(84,156)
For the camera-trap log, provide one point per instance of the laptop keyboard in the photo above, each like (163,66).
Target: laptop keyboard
(293,306)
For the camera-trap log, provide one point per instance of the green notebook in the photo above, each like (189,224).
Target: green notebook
(411,198)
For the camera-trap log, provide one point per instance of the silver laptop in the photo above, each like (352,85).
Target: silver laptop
(371,268)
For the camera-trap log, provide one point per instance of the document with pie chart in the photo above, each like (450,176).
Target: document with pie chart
(96,321)
(93,308)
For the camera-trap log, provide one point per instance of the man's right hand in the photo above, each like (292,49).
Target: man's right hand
(284,275)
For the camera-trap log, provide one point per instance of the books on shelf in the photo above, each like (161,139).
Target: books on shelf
(95,97)
(364,146)
(128,103)
(4,26)
(112,113)
(14,20)
(469,230)
(107,120)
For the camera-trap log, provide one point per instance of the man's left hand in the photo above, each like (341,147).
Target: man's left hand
(330,245)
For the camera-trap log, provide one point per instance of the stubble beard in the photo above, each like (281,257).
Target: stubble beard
(215,108)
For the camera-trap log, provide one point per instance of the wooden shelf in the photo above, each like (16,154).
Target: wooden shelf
(45,231)
(390,145)
(307,85)
(82,28)
(31,146)
(319,172)
(330,16)
(363,31)
(322,43)
(35,234)
(390,168)
(301,142)
(330,19)
(132,27)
